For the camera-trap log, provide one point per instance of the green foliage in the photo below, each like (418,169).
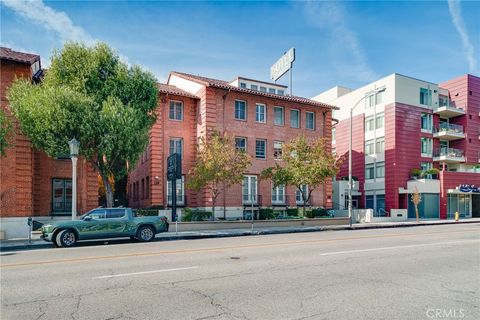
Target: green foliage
(145,212)
(196,215)
(6,128)
(218,165)
(304,163)
(317,213)
(89,94)
(292,212)
(266,214)
(415,172)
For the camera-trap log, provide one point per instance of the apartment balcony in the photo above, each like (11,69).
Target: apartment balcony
(449,155)
(447,111)
(448,131)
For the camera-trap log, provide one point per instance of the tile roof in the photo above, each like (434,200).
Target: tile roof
(9,54)
(169,89)
(225,85)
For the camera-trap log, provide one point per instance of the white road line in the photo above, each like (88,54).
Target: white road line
(144,272)
(397,247)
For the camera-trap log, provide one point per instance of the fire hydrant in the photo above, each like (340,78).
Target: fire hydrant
(457,215)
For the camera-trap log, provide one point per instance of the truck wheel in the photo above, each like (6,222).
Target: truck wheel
(66,238)
(54,240)
(145,234)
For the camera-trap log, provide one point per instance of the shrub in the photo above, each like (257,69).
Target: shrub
(415,172)
(266,214)
(145,212)
(292,212)
(195,215)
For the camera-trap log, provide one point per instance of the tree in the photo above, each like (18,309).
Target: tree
(304,164)
(6,128)
(219,165)
(89,94)
(416,199)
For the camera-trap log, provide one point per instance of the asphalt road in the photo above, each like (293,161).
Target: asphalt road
(405,273)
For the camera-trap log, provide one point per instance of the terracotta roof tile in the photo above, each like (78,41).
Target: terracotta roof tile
(225,85)
(9,54)
(166,88)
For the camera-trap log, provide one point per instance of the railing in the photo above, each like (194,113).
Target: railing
(448,152)
(380,212)
(449,127)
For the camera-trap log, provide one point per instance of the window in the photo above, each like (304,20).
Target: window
(278,116)
(147,187)
(260,147)
(369,100)
(380,204)
(380,145)
(240,110)
(260,113)
(369,124)
(277,150)
(263,89)
(379,121)
(176,110)
(115,213)
(334,135)
(180,188)
(380,170)
(143,189)
(369,202)
(425,166)
(295,118)
(369,147)
(370,171)
(271,90)
(249,189)
(427,122)
(379,97)
(97,214)
(280,92)
(254,87)
(176,146)
(278,195)
(425,97)
(310,120)
(241,143)
(443,101)
(61,195)
(243,85)
(427,147)
(298,194)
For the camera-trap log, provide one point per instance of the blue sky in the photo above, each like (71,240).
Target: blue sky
(337,43)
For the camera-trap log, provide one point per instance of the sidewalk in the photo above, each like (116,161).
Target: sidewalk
(36,243)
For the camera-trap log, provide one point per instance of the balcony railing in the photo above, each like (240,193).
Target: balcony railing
(449,111)
(448,155)
(449,131)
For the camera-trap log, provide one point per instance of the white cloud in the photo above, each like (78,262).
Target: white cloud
(332,17)
(457,20)
(59,22)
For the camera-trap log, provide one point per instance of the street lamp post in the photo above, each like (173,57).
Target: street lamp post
(74,146)
(350,182)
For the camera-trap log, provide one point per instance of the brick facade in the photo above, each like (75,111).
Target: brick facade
(26,174)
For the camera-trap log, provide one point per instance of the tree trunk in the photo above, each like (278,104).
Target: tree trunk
(108,191)
(224,203)
(416,213)
(213,208)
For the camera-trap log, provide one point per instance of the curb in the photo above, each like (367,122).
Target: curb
(254,233)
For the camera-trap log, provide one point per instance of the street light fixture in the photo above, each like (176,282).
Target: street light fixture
(350,182)
(74,146)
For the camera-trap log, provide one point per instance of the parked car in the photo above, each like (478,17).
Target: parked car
(102,223)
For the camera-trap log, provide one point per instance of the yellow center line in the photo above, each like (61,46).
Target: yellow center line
(219,249)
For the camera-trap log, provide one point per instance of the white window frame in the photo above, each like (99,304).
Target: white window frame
(280,92)
(379,165)
(370,166)
(306,120)
(377,117)
(263,89)
(298,118)
(278,194)
(275,116)
(429,145)
(175,104)
(277,151)
(370,142)
(180,191)
(377,141)
(429,118)
(264,149)
(243,85)
(175,146)
(254,87)
(257,113)
(272,90)
(245,110)
(369,124)
(247,198)
(245,143)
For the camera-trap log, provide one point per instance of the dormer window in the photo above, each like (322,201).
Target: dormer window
(243,85)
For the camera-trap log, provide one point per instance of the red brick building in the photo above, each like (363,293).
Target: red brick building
(258,114)
(31,183)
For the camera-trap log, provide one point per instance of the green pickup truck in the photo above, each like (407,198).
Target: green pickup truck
(104,223)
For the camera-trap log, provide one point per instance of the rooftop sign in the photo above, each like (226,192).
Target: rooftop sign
(282,65)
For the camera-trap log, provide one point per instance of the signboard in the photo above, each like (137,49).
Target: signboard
(469,188)
(282,65)
(174,167)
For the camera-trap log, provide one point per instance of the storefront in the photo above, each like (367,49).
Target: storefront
(465,200)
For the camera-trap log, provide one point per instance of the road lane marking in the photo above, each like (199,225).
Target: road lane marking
(143,272)
(220,249)
(397,247)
